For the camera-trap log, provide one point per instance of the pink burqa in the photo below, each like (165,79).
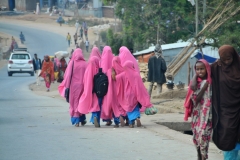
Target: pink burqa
(95,52)
(110,104)
(74,81)
(125,54)
(133,84)
(106,59)
(89,101)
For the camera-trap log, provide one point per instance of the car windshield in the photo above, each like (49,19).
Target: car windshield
(20,56)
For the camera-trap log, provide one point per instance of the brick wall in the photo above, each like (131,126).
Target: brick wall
(108,12)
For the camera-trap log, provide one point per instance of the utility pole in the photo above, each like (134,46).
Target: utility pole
(204,10)
(196,17)
(158,28)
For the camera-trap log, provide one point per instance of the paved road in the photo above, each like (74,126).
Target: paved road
(36,127)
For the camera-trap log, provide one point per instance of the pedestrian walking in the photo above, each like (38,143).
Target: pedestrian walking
(110,105)
(89,102)
(87,44)
(74,81)
(132,94)
(76,26)
(226,102)
(199,108)
(75,38)
(156,70)
(61,69)
(69,39)
(81,33)
(37,65)
(84,25)
(47,72)
(86,32)
(22,38)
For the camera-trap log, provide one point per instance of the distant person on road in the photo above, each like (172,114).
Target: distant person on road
(14,44)
(47,72)
(199,107)
(75,38)
(86,32)
(87,45)
(81,33)
(74,81)
(156,70)
(60,20)
(76,26)
(22,38)
(37,65)
(84,25)
(61,69)
(69,39)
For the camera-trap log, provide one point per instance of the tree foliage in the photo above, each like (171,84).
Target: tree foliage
(173,20)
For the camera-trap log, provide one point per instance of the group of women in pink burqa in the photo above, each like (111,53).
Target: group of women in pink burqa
(126,96)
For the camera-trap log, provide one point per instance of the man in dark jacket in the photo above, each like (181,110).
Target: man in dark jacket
(37,66)
(156,70)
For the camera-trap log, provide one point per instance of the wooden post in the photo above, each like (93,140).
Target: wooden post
(189,72)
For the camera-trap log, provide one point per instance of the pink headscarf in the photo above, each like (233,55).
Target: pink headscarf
(116,64)
(106,60)
(188,102)
(89,101)
(137,85)
(95,52)
(125,54)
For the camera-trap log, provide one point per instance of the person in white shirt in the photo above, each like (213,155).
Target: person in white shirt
(87,44)
(76,26)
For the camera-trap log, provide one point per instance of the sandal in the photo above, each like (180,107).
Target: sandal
(77,125)
(96,124)
(83,123)
(116,126)
(139,123)
(122,121)
(109,123)
(131,126)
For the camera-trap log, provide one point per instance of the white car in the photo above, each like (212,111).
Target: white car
(20,61)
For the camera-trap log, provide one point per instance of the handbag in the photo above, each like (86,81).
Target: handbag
(67,90)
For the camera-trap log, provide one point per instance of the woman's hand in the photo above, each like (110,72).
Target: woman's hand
(113,74)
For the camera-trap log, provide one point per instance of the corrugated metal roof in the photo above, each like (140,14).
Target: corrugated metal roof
(164,47)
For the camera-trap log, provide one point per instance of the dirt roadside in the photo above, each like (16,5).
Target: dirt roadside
(5,44)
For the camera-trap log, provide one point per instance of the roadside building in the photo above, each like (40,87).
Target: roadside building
(20,5)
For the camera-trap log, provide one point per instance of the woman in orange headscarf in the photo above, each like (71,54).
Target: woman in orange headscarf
(47,72)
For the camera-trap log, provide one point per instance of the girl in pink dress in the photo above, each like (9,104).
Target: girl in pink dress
(198,106)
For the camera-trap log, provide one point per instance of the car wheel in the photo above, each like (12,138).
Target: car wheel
(32,73)
(9,74)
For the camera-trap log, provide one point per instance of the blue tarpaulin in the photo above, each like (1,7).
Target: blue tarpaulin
(209,54)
